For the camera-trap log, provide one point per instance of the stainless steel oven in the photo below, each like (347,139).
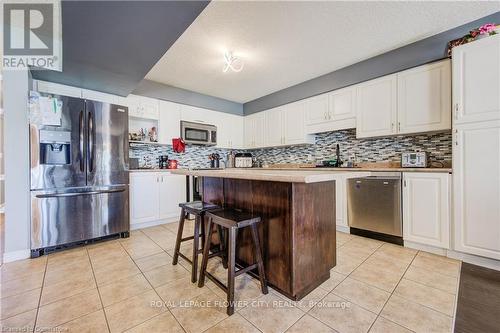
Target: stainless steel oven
(198,133)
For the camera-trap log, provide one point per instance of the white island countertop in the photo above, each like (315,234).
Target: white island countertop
(287,176)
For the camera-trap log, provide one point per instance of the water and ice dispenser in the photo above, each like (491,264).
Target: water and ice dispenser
(55,147)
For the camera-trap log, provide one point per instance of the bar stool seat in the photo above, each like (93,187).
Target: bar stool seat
(198,209)
(232,220)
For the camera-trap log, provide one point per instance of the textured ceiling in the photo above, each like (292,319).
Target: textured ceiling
(284,43)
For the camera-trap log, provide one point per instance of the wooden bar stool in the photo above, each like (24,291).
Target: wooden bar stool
(198,209)
(232,220)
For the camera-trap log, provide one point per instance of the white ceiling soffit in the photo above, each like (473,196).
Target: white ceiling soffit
(284,43)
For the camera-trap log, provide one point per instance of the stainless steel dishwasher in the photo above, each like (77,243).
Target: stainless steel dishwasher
(374,206)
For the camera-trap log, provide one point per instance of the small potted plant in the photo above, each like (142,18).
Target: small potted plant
(487,30)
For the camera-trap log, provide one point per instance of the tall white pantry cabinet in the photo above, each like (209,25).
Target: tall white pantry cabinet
(476,147)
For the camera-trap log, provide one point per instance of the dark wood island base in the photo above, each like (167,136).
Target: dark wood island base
(297,231)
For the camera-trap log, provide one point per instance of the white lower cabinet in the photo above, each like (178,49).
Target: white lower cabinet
(172,190)
(341,203)
(476,188)
(426,208)
(155,196)
(144,197)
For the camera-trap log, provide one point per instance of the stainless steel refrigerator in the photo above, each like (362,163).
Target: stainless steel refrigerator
(79,175)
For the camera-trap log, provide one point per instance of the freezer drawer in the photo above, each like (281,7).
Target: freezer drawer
(62,217)
(374,204)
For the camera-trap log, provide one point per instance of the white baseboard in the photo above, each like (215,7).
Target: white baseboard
(16,255)
(343,228)
(135,226)
(426,248)
(475,260)
(465,257)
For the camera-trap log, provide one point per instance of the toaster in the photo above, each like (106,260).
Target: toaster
(243,160)
(417,159)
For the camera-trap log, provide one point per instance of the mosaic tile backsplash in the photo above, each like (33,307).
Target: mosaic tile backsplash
(438,145)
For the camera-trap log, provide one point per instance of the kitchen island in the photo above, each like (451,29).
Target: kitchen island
(298,221)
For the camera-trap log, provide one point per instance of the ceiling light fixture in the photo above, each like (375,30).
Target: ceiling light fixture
(232,62)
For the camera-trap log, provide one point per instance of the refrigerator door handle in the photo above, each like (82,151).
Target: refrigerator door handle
(81,144)
(91,141)
(76,194)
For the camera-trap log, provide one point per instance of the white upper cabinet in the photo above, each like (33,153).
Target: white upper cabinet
(58,89)
(317,109)
(254,130)
(169,122)
(284,125)
(476,188)
(342,104)
(376,107)
(331,112)
(476,81)
(151,107)
(229,130)
(143,107)
(426,208)
(424,98)
(197,115)
(294,127)
(274,127)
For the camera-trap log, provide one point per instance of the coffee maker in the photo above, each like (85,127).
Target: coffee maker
(163,162)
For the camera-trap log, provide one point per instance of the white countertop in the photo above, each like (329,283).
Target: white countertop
(288,176)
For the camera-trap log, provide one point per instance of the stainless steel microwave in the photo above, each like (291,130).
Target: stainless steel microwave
(198,133)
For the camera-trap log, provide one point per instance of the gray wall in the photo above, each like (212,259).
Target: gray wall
(16,84)
(110,46)
(416,54)
(183,96)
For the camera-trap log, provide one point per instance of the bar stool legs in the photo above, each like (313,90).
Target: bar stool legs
(198,224)
(231,268)
(258,258)
(204,260)
(178,240)
(228,246)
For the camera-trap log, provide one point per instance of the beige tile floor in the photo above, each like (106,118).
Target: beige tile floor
(130,285)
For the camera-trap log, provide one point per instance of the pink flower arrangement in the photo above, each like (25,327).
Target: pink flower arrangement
(487,29)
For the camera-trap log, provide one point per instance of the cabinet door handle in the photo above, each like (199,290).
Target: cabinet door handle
(392,127)
(456,111)
(399,126)
(324,116)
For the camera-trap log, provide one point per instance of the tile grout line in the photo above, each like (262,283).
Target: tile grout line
(41,291)
(78,317)
(434,310)
(346,276)
(153,288)
(392,293)
(98,292)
